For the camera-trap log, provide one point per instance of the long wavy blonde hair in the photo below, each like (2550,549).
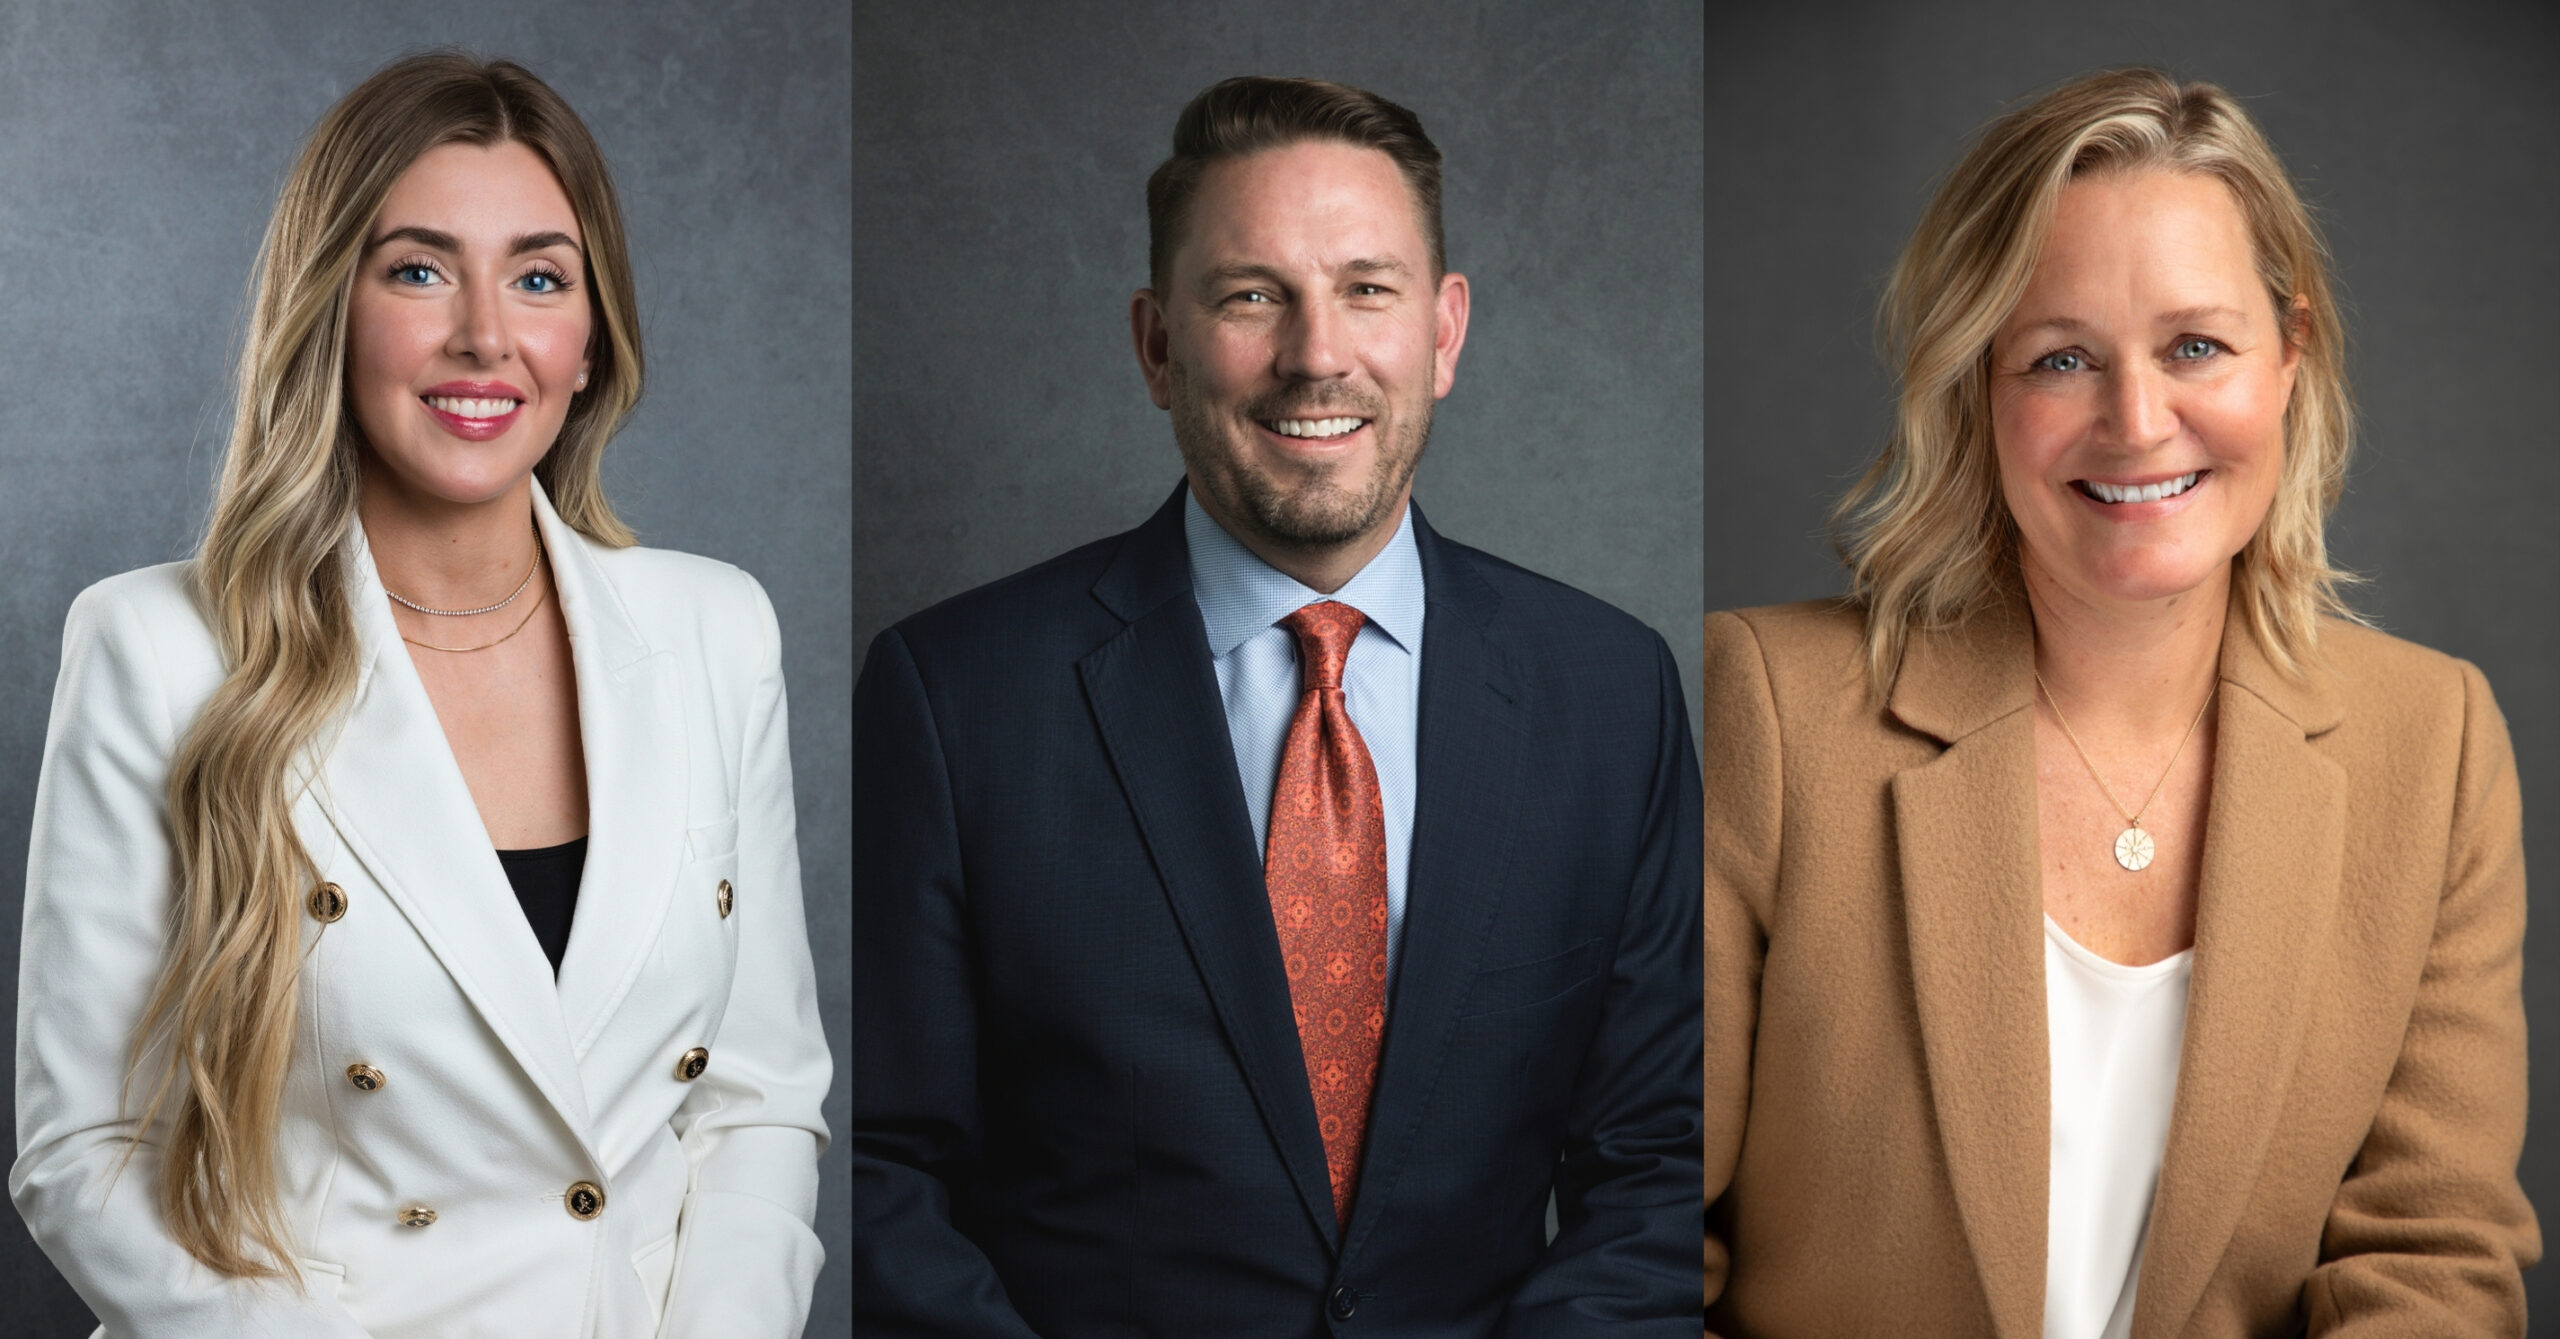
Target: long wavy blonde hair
(271,577)
(1926,534)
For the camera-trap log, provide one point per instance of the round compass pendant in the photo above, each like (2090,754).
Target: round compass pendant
(2133,849)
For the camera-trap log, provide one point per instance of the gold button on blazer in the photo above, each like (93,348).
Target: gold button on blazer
(2351,1091)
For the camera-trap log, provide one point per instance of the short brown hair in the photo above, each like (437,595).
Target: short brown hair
(1233,118)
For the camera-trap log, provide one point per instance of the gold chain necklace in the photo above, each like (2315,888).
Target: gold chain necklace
(529,611)
(530,569)
(2134,847)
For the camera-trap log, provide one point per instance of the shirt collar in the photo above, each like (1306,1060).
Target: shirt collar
(1239,594)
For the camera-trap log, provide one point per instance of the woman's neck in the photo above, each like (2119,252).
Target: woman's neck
(444,554)
(2122,670)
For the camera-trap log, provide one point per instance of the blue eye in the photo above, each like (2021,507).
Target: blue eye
(414,273)
(2060,360)
(541,282)
(2196,347)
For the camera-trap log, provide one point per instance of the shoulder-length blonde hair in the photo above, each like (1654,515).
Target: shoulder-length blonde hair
(1925,533)
(215,1039)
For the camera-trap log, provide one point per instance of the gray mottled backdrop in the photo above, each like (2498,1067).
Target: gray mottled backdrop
(141,146)
(1000,228)
(2427,138)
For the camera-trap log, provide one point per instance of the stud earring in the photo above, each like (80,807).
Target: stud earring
(582,381)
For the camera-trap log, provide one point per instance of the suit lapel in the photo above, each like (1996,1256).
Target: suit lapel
(631,726)
(2274,842)
(392,791)
(1468,756)
(1964,827)
(1154,697)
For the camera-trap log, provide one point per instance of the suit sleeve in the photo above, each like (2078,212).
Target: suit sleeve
(2430,1232)
(915,1038)
(1743,823)
(746,1259)
(1624,1261)
(100,888)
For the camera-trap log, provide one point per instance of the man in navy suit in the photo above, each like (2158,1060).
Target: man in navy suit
(1263,914)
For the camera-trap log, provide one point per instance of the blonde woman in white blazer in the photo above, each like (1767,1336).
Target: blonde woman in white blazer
(294,1056)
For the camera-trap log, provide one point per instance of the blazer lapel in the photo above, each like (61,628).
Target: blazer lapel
(1973,903)
(392,791)
(1468,756)
(1154,697)
(2274,841)
(631,725)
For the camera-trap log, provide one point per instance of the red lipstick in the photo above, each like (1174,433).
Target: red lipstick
(474,426)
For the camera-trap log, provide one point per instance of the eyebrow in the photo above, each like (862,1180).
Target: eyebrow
(1222,275)
(2182,316)
(445,241)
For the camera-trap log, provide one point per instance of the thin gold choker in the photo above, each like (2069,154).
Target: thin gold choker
(486,609)
(529,611)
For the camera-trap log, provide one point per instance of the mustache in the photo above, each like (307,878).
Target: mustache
(1338,403)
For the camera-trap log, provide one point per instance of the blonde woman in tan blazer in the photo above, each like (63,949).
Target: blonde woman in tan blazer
(2093,710)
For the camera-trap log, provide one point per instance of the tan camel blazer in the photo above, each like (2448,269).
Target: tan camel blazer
(2351,1092)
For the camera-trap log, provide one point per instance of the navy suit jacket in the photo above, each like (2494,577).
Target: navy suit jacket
(1079,1107)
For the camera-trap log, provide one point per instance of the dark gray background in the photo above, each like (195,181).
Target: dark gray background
(1001,228)
(2428,140)
(141,146)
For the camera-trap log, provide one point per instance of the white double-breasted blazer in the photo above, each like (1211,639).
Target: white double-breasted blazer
(500,1090)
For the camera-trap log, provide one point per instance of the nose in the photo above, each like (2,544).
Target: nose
(2139,405)
(1314,343)
(480,331)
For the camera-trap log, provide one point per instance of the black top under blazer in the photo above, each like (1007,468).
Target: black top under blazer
(1079,1107)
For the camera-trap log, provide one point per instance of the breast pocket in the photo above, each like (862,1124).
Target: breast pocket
(1529,984)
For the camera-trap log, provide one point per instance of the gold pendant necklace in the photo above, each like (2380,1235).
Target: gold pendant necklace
(2134,847)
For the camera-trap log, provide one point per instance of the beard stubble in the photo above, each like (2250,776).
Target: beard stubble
(1318,510)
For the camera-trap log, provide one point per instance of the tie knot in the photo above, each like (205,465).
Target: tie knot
(1325,632)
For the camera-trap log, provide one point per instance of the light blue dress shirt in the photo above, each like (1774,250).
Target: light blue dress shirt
(1242,600)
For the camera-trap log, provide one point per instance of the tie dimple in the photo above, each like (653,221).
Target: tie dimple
(1325,867)
(1325,633)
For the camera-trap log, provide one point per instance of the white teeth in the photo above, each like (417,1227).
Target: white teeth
(462,408)
(1315,427)
(2140,492)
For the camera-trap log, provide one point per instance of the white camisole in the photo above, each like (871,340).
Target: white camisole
(2114,1032)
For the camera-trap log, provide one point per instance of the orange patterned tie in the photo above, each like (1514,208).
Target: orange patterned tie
(1326,868)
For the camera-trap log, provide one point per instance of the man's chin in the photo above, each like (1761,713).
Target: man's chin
(1314,518)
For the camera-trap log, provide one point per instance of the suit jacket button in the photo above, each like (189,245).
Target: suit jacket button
(328,903)
(366,1078)
(417,1215)
(728,899)
(694,1062)
(585,1200)
(1344,1302)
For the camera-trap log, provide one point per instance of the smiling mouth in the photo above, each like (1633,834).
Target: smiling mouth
(1314,429)
(2118,494)
(473,407)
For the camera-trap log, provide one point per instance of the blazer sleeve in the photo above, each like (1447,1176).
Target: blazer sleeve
(916,1121)
(746,1259)
(100,888)
(2430,1232)
(1744,814)
(1623,1262)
